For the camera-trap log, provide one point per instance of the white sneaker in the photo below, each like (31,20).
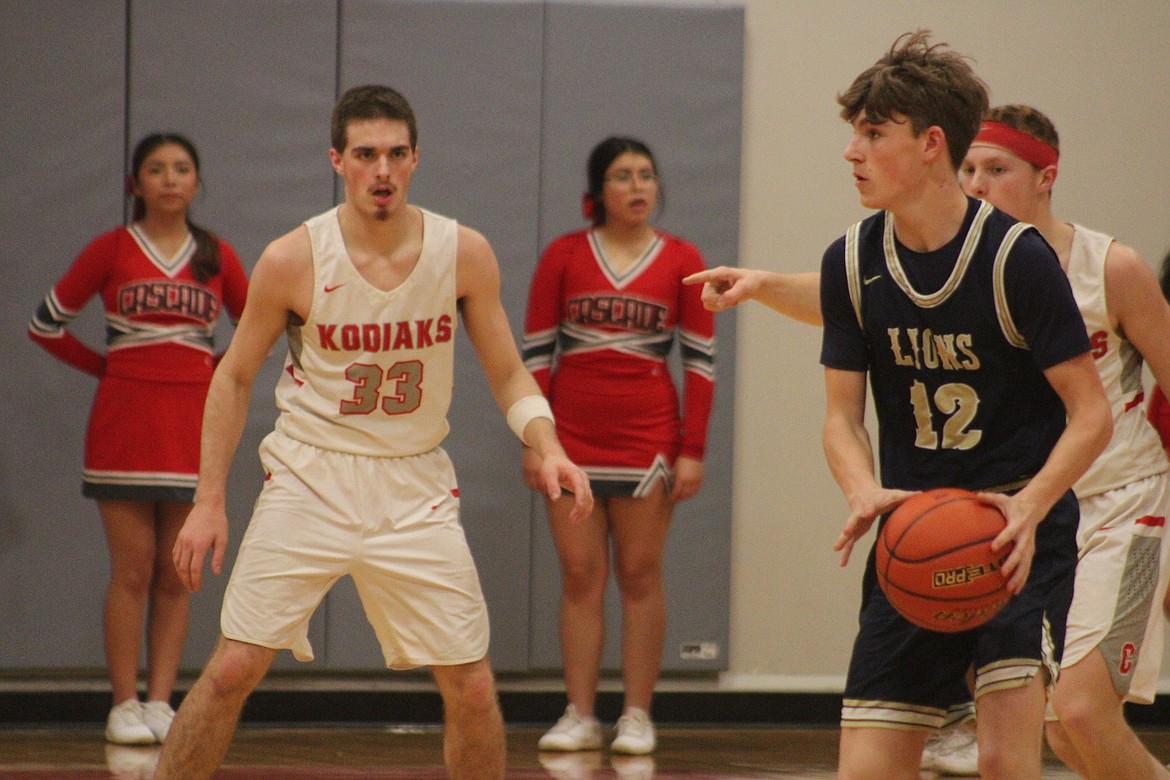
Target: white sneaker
(126,727)
(572,732)
(635,733)
(157,715)
(952,751)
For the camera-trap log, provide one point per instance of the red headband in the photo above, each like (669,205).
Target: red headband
(1027,147)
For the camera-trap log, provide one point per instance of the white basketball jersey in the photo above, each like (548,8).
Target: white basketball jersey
(1135,451)
(371,371)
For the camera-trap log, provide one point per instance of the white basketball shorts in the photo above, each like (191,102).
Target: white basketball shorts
(392,524)
(1122,573)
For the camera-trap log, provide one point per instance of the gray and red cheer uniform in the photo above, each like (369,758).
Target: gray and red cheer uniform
(142,442)
(597,341)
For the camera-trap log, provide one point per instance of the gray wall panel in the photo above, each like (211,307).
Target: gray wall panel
(509,95)
(634,70)
(252,84)
(61,85)
(472,74)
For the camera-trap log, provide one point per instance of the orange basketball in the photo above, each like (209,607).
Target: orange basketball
(935,564)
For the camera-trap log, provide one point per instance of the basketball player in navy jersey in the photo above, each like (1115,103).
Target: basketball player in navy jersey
(369,294)
(964,324)
(1113,644)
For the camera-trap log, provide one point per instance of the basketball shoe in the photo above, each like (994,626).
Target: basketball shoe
(572,732)
(635,733)
(126,727)
(952,751)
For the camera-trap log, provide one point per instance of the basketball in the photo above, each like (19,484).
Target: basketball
(935,564)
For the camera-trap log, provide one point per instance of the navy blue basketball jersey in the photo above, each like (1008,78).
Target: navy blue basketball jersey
(955,342)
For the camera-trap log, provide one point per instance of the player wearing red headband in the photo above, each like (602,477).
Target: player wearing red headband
(1113,645)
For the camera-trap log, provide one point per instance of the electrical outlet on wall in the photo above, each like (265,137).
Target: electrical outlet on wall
(698,651)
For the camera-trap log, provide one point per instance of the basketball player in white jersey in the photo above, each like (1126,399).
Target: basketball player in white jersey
(356,483)
(1113,646)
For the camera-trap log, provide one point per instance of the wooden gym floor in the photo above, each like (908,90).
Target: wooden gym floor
(302,727)
(414,753)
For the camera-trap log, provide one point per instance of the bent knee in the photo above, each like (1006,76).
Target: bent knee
(997,760)
(237,667)
(1083,714)
(479,684)
(469,687)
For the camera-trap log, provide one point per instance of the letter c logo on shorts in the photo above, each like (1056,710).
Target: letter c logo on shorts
(1128,651)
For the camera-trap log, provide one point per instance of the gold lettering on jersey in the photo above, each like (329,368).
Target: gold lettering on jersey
(930,350)
(900,359)
(621,310)
(963,344)
(384,336)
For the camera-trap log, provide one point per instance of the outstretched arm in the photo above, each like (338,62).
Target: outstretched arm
(478,289)
(793,295)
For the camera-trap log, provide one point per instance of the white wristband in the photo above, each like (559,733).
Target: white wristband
(525,411)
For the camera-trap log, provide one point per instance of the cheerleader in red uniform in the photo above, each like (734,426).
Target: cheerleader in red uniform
(163,282)
(605,308)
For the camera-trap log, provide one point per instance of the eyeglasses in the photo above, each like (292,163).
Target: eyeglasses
(627,177)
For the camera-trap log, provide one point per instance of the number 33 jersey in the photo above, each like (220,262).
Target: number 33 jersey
(371,371)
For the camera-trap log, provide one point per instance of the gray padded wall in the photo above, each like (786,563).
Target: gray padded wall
(509,95)
(252,84)
(672,76)
(472,74)
(62,88)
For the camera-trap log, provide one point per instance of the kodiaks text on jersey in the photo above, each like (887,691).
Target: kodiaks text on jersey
(384,336)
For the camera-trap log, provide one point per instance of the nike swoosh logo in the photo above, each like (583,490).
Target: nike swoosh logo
(331,288)
(871,279)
